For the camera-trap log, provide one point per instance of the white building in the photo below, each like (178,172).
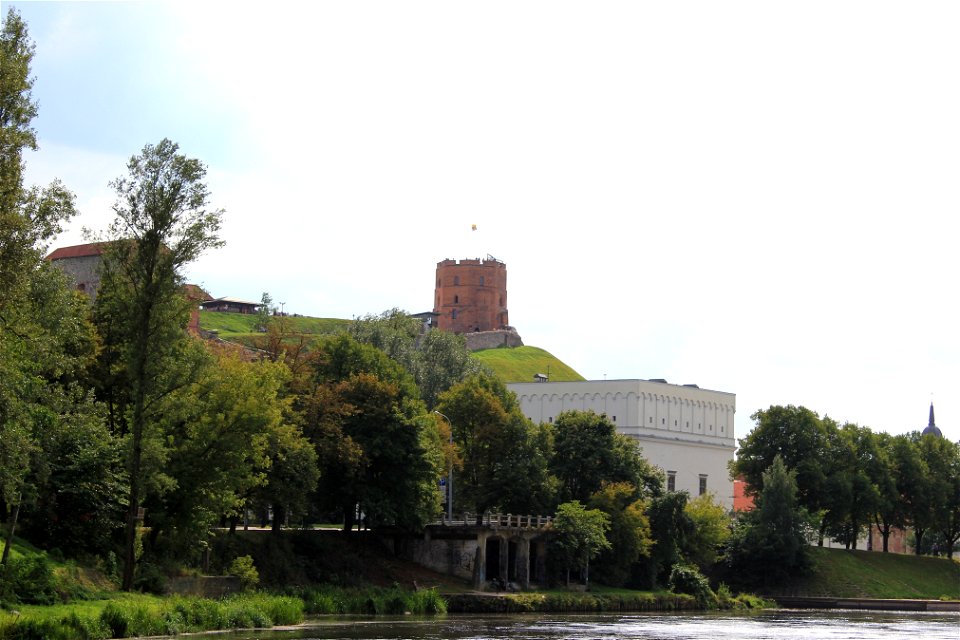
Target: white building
(683,429)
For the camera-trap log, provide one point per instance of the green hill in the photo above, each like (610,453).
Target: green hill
(242,327)
(868,574)
(522,363)
(511,365)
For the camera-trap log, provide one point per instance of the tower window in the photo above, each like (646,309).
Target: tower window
(481,281)
(671,480)
(454,314)
(703,484)
(456,299)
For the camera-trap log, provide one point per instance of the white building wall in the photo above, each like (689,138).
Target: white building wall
(683,429)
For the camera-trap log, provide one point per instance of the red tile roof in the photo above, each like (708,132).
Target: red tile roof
(741,500)
(77,251)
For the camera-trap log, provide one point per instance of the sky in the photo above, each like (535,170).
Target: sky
(756,197)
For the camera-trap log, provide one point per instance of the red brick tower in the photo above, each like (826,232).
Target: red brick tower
(471,295)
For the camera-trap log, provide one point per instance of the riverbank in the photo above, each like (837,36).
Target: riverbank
(579,602)
(866,604)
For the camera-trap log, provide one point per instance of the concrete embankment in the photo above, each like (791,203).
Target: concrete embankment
(874,604)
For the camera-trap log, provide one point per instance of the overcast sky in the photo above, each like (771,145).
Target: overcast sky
(757,197)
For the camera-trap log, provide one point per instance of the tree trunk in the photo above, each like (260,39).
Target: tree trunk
(9,540)
(141,348)
(278,518)
(918,535)
(133,513)
(349,518)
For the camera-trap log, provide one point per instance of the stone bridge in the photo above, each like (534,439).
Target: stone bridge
(487,549)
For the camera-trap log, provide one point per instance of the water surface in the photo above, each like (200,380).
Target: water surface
(765,625)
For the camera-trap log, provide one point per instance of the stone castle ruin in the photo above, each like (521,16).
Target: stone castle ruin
(471,299)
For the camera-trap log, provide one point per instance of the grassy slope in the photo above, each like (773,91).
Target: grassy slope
(868,574)
(512,365)
(520,364)
(237,326)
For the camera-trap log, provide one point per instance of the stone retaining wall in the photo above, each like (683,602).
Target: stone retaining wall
(492,339)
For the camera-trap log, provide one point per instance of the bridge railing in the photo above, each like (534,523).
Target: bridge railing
(488,519)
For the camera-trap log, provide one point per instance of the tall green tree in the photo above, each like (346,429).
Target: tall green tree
(852,498)
(801,439)
(671,529)
(710,530)
(34,368)
(213,445)
(504,456)
(588,451)
(380,452)
(163,222)
(890,512)
(769,543)
(580,534)
(915,486)
(942,459)
(436,359)
(629,535)
(28,217)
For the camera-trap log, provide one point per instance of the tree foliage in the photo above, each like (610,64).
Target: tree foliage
(711,526)
(629,535)
(504,456)
(579,535)
(588,451)
(381,453)
(799,437)
(213,445)
(769,544)
(163,222)
(436,359)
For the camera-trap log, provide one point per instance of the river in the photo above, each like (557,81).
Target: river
(764,625)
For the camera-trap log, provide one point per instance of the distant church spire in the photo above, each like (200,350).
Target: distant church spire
(932,429)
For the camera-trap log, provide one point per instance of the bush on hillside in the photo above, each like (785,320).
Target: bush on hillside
(687,579)
(29,580)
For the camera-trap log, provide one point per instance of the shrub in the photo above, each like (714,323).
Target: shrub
(243,568)
(30,580)
(686,579)
(150,579)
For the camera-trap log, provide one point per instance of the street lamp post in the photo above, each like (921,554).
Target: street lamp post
(450,472)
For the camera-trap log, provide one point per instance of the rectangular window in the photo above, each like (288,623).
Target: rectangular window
(481,281)
(671,480)
(703,484)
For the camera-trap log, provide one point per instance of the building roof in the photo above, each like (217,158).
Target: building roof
(932,428)
(232,301)
(196,292)
(78,251)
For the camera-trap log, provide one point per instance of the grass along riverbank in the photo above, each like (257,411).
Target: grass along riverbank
(126,615)
(868,574)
